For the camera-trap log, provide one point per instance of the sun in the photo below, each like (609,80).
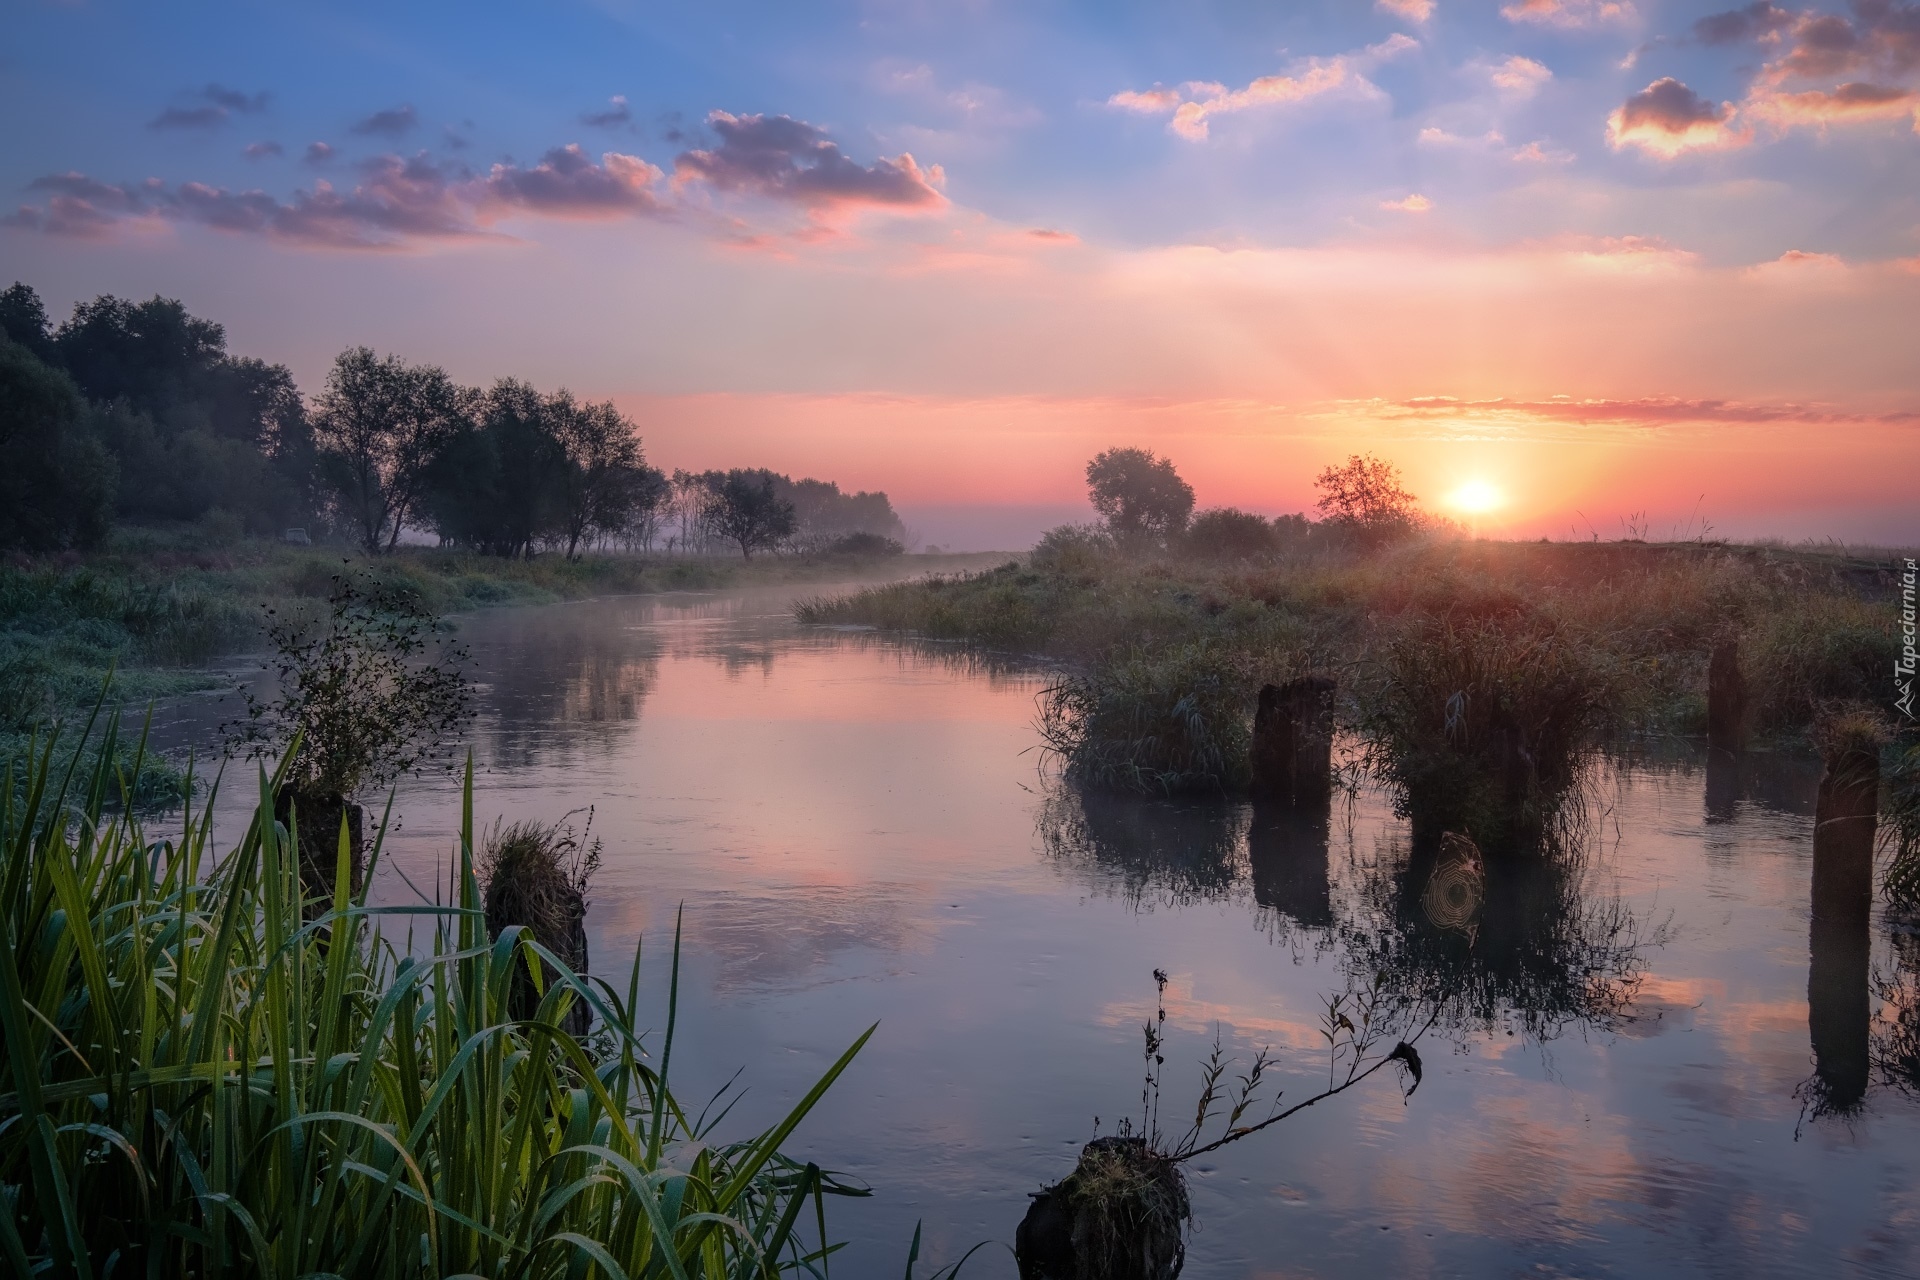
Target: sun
(1476,496)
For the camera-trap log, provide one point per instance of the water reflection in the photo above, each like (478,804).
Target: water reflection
(557,682)
(1548,948)
(1895,1045)
(1839,938)
(1529,946)
(1149,851)
(1287,851)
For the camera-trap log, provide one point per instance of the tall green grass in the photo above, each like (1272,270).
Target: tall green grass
(197,1081)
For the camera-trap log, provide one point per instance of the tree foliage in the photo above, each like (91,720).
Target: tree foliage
(380,426)
(1364,496)
(1141,497)
(56,486)
(1227,533)
(745,507)
(192,429)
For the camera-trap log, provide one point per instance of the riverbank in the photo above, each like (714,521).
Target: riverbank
(1814,626)
(158,608)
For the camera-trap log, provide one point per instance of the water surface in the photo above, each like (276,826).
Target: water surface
(1622,1081)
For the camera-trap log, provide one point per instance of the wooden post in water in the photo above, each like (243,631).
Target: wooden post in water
(1838,1009)
(1726,699)
(1292,755)
(318,835)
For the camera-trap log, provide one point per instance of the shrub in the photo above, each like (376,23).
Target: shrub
(1073,549)
(865,544)
(1163,722)
(1483,724)
(1229,534)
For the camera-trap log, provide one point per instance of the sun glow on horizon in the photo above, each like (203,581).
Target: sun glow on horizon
(1476,497)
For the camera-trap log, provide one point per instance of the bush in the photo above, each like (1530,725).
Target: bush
(1073,549)
(1159,723)
(865,544)
(1229,534)
(1483,724)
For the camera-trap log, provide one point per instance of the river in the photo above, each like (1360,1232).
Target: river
(1621,1082)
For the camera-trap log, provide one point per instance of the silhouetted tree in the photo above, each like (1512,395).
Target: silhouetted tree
(23,320)
(191,427)
(380,425)
(1364,497)
(603,476)
(495,483)
(56,481)
(1142,498)
(744,507)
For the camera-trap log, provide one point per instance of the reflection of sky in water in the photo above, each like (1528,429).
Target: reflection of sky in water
(858,831)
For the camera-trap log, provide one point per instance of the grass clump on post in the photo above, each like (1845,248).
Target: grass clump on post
(1122,1214)
(198,1081)
(536,875)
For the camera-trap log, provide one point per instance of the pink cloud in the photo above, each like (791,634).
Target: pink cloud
(400,202)
(1411,10)
(1570,14)
(567,184)
(1845,104)
(1667,119)
(1519,77)
(1415,203)
(780,158)
(1197,101)
(1645,411)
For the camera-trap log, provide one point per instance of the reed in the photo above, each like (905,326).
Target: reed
(198,1081)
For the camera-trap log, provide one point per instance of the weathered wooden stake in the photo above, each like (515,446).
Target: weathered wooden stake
(1292,755)
(1726,698)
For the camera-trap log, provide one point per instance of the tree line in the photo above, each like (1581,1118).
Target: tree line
(1145,507)
(135,412)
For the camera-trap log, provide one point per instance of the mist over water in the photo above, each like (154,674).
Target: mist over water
(1623,1079)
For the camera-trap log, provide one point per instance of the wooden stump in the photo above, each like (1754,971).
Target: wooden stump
(1292,755)
(1120,1215)
(1726,699)
(318,836)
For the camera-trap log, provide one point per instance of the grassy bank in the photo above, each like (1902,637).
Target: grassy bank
(1544,643)
(197,1082)
(158,607)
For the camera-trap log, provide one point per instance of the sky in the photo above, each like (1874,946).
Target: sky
(1578,267)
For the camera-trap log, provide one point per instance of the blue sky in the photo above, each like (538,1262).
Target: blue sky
(1286,208)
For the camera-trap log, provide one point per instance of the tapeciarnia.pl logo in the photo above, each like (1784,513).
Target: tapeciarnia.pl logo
(1904,664)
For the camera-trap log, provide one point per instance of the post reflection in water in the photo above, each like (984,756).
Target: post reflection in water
(1541,946)
(1287,850)
(1840,943)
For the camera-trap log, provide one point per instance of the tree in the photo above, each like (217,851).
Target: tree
(56,486)
(379,426)
(23,320)
(495,484)
(1142,498)
(745,507)
(192,427)
(1365,498)
(604,479)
